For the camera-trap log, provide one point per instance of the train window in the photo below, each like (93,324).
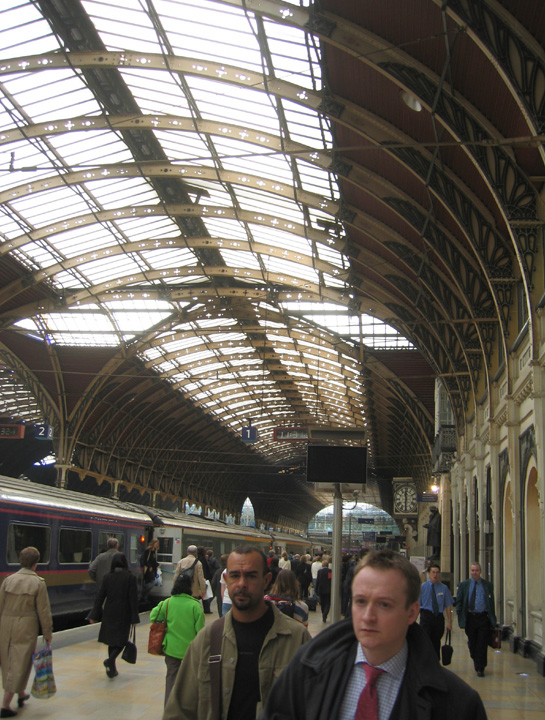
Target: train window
(164,554)
(103,537)
(133,550)
(21,536)
(75,546)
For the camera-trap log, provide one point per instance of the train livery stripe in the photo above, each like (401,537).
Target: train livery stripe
(69,518)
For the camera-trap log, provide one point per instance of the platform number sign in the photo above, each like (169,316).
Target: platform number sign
(249,434)
(43,432)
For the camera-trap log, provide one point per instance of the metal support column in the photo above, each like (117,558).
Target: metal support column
(335,612)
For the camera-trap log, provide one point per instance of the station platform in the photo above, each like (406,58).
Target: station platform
(511,688)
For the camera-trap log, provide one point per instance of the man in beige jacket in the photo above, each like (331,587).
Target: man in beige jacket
(24,603)
(257,642)
(191,566)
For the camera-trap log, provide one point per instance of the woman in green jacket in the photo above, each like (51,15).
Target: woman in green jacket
(184,618)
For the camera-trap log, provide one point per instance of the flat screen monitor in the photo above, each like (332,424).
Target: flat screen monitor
(336,464)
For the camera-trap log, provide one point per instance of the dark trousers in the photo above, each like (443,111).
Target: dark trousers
(325,604)
(434,627)
(113,652)
(173,665)
(477,630)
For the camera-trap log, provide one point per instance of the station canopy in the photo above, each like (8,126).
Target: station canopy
(202,231)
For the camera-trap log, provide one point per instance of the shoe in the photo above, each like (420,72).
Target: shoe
(7,712)
(21,700)
(480,673)
(111,672)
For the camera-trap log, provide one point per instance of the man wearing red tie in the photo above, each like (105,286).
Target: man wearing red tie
(378,665)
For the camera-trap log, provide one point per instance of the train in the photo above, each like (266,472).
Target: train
(70,529)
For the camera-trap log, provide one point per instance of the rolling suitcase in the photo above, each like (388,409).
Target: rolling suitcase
(311,602)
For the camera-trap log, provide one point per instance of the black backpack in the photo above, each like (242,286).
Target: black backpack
(190,571)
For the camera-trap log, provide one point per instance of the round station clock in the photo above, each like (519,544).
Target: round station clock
(405,500)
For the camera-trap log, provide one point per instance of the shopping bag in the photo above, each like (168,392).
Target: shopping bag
(447,650)
(159,578)
(208,593)
(156,636)
(43,686)
(157,633)
(129,651)
(494,639)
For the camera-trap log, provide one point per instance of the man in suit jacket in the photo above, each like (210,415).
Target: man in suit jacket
(475,608)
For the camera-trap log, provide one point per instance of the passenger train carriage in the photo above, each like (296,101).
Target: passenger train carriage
(70,529)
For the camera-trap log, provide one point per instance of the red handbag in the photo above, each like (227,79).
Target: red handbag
(157,632)
(494,639)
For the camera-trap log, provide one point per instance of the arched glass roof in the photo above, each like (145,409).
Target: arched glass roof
(170,183)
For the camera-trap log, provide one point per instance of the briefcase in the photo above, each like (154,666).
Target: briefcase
(447,650)
(494,639)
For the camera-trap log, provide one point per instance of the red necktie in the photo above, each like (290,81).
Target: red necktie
(368,702)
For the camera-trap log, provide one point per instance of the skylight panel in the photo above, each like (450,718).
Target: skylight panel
(45,207)
(156,91)
(138,321)
(91,148)
(24,31)
(169,258)
(120,192)
(277,238)
(144,228)
(240,259)
(116,267)
(182,147)
(267,167)
(49,94)
(80,240)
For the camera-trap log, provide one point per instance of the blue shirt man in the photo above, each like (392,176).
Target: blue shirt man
(435,601)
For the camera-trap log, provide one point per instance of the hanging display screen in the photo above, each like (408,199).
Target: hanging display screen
(336,464)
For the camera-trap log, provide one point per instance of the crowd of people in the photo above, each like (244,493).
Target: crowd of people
(258,658)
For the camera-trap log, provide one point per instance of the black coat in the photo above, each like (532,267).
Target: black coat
(148,560)
(323,582)
(313,684)
(304,575)
(120,610)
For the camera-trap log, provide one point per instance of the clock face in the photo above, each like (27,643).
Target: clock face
(405,500)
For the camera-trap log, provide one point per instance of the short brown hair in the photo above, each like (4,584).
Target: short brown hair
(28,557)
(390,560)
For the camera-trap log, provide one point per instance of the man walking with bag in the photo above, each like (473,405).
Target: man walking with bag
(191,566)
(476,612)
(435,601)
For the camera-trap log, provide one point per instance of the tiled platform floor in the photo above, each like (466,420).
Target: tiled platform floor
(84,691)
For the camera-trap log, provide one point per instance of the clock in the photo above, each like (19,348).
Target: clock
(405,500)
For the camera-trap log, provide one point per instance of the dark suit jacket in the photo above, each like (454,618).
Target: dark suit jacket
(462,601)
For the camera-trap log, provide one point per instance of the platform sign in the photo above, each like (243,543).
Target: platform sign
(249,434)
(290,434)
(43,432)
(366,521)
(428,497)
(12,432)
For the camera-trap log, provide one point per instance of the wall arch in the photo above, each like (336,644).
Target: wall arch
(509,609)
(533,558)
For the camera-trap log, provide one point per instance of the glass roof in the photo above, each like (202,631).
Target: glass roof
(168,179)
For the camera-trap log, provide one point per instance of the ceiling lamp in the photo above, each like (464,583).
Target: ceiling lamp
(411,101)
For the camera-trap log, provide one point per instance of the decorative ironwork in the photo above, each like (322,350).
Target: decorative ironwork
(505,177)
(525,70)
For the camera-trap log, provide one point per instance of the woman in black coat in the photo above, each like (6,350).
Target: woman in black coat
(304,575)
(119,595)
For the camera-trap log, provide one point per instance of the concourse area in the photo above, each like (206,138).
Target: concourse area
(511,689)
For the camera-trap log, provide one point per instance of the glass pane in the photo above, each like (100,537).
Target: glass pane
(21,536)
(75,546)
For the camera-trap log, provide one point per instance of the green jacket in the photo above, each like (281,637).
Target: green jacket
(185,618)
(462,601)
(190,698)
